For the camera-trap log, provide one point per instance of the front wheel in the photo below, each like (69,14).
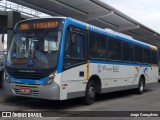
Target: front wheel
(141,86)
(90,93)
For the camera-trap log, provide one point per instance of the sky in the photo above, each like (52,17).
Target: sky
(146,12)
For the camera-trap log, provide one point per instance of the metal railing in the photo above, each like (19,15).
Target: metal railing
(7,6)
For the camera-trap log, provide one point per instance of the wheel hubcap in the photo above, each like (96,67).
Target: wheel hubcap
(91,92)
(141,87)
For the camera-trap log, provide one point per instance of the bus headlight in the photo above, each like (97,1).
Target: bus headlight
(50,79)
(6,76)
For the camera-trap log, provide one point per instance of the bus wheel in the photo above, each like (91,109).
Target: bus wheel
(141,86)
(90,93)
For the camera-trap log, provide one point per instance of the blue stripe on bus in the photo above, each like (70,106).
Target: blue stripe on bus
(61,57)
(28,81)
(119,63)
(68,22)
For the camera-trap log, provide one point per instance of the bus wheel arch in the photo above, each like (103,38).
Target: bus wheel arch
(93,87)
(141,85)
(97,82)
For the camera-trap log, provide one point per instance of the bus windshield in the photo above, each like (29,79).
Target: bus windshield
(36,49)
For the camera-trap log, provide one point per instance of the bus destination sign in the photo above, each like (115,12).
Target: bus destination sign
(20,61)
(38,25)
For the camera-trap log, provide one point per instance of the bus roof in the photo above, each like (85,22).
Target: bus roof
(110,33)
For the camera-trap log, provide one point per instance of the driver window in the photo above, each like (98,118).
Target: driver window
(77,45)
(74,48)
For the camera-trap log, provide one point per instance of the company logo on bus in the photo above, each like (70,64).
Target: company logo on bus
(101,68)
(38,82)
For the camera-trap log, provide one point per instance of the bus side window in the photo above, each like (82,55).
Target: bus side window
(138,54)
(147,55)
(114,47)
(154,57)
(97,46)
(127,52)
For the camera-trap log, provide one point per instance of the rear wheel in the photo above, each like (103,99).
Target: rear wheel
(141,86)
(90,93)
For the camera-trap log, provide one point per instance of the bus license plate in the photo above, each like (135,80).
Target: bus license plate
(25,91)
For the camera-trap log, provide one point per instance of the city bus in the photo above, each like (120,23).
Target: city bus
(61,58)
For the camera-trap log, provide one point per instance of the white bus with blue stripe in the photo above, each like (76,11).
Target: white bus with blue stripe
(61,58)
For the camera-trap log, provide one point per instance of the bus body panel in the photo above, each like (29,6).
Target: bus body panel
(113,77)
(154,74)
(75,78)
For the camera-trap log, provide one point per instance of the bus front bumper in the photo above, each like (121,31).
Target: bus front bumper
(50,92)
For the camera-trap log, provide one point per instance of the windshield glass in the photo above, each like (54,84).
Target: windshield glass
(37,49)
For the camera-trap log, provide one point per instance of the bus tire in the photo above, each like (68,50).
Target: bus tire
(90,93)
(141,86)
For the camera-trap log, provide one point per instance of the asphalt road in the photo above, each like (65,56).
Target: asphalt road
(116,101)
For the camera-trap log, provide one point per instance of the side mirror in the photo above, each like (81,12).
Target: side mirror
(2,38)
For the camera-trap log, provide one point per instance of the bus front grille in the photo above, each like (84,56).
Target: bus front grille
(32,92)
(34,76)
(35,92)
(17,91)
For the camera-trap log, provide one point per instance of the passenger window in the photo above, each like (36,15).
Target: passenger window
(127,52)
(138,54)
(97,46)
(114,48)
(147,55)
(154,57)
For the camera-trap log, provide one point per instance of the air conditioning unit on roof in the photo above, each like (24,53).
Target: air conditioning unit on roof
(118,33)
